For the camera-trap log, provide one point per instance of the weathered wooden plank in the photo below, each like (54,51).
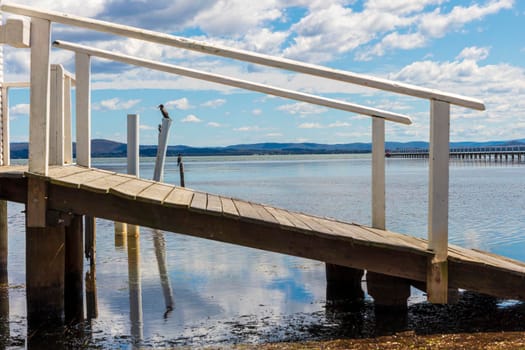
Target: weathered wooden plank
(156,193)
(179,197)
(83,108)
(281,218)
(62,171)
(131,188)
(214,204)
(313,224)
(77,179)
(199,201)
(264,214)
(102,185)
(295,220)
(228,208)
(13,170)
(246,210)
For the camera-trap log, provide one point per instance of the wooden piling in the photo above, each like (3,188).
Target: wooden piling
(74,269)
(45,275)
(343,283)
(90,251)
(4,250)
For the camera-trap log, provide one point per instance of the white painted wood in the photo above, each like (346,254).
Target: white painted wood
(83,108)
(56,122)
(158,172)
(378,173)
(39,97)
(16,32)
(438,178)
(437,279)
(133,144)
(258,58)
(243,84)
(68,141)
(6,157)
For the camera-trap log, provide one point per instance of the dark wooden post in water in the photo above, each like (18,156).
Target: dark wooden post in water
(180,163)
(74,297)
(343,283)
(4,250)
(90,231)
(390,300)
(45,256)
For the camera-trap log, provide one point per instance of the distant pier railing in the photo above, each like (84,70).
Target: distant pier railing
(489,153)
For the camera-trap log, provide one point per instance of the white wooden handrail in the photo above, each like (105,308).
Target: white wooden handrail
(243,84)
(243,55)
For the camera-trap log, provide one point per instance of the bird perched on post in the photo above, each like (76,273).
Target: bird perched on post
(164,111)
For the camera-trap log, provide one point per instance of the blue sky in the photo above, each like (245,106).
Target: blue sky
(474,48)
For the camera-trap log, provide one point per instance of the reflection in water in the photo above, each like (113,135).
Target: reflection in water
(160,253)
(135,288)
(4,315)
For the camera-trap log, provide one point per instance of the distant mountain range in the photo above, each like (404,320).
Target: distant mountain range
(107,148)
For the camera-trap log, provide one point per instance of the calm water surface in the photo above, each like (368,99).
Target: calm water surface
(227,294)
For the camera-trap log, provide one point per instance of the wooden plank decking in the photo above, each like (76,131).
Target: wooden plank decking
(148,203)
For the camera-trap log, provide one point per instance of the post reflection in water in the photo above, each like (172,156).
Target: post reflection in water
(160,253)
(4,315)
(134,282)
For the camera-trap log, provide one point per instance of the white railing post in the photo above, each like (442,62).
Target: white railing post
(39,97)
(56,122)
(68,144)
(6,157)
(437,277)
(83,108)
(133,144)
(378,173)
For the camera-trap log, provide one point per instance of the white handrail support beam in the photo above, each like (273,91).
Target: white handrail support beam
(83,108)
(253,57)
(243,84)
(437,281)
(39,97)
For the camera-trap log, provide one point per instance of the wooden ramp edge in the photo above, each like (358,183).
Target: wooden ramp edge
(125,198)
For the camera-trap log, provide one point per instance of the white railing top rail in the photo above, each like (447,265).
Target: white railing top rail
(243,84)
(243,55)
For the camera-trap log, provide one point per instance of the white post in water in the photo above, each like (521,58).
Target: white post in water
(378,173)
(161,150)
(83,108)
(437,276)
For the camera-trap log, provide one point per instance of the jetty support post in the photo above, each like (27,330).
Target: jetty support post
(74,270)
(90,251)
(437,272)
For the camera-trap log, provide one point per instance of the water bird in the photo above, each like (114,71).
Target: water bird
(160,128)
(164,111)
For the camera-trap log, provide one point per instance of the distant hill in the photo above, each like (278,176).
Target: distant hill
(108,148)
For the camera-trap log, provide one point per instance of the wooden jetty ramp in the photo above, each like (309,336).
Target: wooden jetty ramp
(125,198)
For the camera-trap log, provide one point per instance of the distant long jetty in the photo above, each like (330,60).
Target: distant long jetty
(493,153)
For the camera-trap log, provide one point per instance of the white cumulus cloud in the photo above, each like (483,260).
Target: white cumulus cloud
(191,118)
